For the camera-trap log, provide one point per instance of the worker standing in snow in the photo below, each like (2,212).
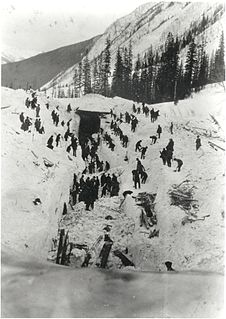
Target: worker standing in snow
(198,143)
(159,131)
(37,110)
(22,117)
(50,142)
(143,152)
(136,178)
(57,140)
(69,108)
(163,156)
(179,164)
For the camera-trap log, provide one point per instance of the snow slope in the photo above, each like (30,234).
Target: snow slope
(194,246)
(27,227)
(149,25)
(25,177)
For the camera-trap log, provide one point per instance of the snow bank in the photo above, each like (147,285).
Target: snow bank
(26,226)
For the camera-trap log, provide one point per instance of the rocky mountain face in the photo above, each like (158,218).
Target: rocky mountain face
(148,26)
(39,69)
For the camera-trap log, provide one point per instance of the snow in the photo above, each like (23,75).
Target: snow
(28,230)
(28,227)
(193,246)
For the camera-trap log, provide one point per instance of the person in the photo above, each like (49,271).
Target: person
(159,131)
(50,142)
(37,124)
(138,146)
(143,152)
(153,139)
(170,145)
(26,124)
(140,167)
(27,102)
(57,140)
(115,186)
(37,110)
(66,135)
(68,149)
(144,177)
(125,141)
(102,179)
(22,117)
(107,166)
(42,130)
(69,108)
(57,118)
(171,128)
(74,144)
(163,156)
(179,163)
(136,178)
(198,143)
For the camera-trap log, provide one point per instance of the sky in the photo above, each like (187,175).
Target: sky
(40,26)
(32,27)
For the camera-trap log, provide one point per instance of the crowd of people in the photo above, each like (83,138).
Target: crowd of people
(90,189)
(26,122)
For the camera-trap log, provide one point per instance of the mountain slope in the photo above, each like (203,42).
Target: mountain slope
(11,54)
(38,70)
(149,25)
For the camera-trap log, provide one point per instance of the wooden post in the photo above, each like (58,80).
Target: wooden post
(60,246)
(64,251)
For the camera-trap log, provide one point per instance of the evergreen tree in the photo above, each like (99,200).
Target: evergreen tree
(136,80)
(127,71)
(80,78)
(203,70)
(106,68)
(96,78)
(190,67)
(211,78)
(168,69)
(179,91)
(87,76)
(219,64)
(76,83)
(150,76)
(143,85)
(117,81)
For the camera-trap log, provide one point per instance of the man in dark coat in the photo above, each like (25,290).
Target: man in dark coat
(163,156)
(57,140)
(198,143)
(136,178)
(143,152)
(159,130)
(37,110)
(22,117)
(50,142)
